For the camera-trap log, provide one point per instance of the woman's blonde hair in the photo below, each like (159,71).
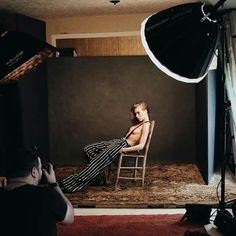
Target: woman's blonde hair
(135,105)
(142,104)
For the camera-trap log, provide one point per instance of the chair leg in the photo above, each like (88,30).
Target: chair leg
(109,172)
(143,172)
(136,165)
(143,177)
(118,171)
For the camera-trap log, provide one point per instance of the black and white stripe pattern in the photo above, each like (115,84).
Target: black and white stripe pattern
(100,155)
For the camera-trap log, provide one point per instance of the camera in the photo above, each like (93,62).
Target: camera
(46,166)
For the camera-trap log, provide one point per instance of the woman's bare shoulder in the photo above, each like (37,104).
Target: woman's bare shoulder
(146,126)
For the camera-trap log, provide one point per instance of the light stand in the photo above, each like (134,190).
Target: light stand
(222,113)
(225,222)
(224,110)
(181,41)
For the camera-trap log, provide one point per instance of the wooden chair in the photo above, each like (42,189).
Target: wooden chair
(136,156)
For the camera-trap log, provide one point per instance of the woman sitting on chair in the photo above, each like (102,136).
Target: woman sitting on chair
(102,154)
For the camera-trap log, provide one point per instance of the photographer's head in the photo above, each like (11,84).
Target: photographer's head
(24,163)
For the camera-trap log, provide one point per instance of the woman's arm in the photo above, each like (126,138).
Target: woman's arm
(142,141)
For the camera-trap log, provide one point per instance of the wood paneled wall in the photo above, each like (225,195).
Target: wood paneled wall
(105,46)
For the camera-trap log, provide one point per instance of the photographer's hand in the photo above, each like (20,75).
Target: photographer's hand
(50,174)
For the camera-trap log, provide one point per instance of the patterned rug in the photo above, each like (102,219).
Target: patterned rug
(165,186)
(126,225)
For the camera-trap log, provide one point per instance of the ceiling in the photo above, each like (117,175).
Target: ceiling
(44,9)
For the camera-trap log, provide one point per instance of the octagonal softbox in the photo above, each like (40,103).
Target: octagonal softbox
(181,41)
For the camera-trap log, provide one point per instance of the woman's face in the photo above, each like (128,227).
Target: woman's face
(140,114)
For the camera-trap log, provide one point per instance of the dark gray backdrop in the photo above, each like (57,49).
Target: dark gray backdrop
(90,98)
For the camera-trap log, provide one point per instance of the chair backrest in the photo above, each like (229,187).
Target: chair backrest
(152,124)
